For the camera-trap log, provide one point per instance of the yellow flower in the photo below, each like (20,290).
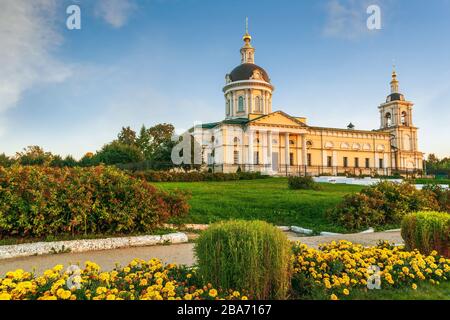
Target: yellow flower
(5,296)
(111,297)
(213,293)
(346,292)
(244,298)
(236,294)
(63,294)
(334,297)
(101,290)
(414,286)
(188,297)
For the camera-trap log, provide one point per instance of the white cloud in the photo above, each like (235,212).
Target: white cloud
(347,19)
(27,37)
(115,12)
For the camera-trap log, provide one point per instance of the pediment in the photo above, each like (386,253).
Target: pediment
(277,118)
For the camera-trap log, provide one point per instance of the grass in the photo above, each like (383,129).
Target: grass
(51,238)
(265,199)
(432,181)
(425,291)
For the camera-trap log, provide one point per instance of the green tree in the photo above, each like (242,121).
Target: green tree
(160,142)
(34,155)
(118,153)
(127,136)
(5,161)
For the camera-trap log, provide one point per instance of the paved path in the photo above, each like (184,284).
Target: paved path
(179,253)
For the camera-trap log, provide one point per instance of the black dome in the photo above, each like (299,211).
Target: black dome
(245,72)
(395,97)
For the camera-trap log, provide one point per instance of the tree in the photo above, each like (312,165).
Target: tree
(34,155)
(118,153)
(160,144)
(143,141)
(5,161)
(127,136)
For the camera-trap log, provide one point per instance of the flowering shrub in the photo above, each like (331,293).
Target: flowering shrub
(427,231)
(337,268)
(195,176)
(140,280)
(382,204)
(37,201)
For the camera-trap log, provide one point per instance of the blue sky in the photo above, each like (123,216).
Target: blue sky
(140,62)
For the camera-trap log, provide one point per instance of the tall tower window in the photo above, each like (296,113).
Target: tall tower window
(403,118)
(228,107)
(258,104)
(388,119)
(241,104)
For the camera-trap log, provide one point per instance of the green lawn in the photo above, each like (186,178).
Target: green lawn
(264,199)
(425,291)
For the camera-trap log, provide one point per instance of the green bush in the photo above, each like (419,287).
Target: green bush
(442,196)
(246,255)
(427,231)
(37,201)
(303,183)
(194,176)
(382,204)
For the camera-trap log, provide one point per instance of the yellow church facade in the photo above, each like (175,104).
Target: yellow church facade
(252,137)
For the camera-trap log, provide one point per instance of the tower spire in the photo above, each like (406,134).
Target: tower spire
(247,51)
(394,81)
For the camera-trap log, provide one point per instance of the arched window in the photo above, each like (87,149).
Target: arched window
(403,118)
(241,104)
(258,104)
(388,119)
(309,144)
(228,107)
(236,141)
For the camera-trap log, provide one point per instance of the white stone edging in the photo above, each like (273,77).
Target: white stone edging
(301,230)
(41,248)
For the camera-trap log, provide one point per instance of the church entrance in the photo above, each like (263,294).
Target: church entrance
(275,161)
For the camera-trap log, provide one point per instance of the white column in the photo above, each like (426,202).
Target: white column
(286,149)
(304,152)
(266,103)
(246,101)
(269,149)
(250,102)
(263,144)
(250,147)
(299,151)
(335,162)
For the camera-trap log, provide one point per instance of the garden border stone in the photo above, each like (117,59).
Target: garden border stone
(42,248)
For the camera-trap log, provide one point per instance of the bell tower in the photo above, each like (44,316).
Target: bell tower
(247,51)
(396,118)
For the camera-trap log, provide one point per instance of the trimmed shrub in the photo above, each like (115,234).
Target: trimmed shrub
(427,231)
(194,176)
(382,204)
(40,201)
(302,183)
(246,255)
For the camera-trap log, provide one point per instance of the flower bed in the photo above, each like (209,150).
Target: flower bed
(332,272)
(337,268)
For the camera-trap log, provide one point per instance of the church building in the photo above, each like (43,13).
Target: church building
(253,137)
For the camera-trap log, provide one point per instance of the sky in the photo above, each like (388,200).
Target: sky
(136,62)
